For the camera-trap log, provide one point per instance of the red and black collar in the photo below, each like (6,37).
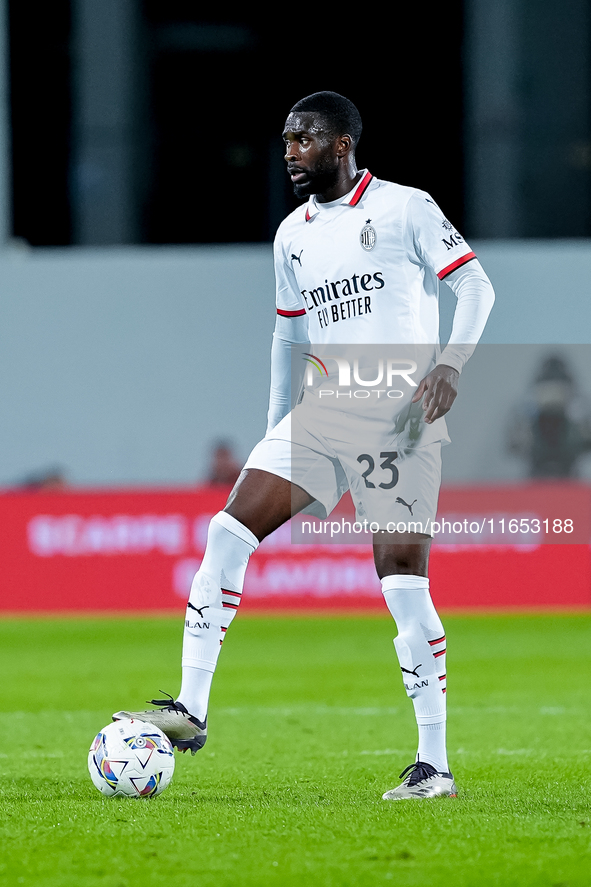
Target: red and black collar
(356,195)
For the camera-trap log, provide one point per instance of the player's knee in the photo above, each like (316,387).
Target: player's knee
(401,561)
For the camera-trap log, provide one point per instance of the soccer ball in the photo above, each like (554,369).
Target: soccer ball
(131,759)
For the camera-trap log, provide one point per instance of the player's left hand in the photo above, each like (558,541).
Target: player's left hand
(440,389)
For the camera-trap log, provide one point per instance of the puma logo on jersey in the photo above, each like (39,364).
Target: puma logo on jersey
(198,609)
(295,258)
(401,501)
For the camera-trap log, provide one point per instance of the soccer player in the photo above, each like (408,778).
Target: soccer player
(358,263)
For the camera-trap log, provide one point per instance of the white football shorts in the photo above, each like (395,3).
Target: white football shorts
(395,486)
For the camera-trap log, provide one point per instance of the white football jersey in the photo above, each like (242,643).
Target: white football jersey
(365,269)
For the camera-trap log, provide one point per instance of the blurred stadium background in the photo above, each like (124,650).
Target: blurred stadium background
(141,183)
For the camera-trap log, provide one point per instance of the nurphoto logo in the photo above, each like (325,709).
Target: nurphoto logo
(348,374)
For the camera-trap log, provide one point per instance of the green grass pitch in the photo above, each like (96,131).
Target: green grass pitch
(309,724)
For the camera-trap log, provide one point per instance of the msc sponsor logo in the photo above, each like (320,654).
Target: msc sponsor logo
(455,239)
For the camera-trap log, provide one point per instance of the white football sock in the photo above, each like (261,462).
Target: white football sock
(195,689)
(213,601)
(420,646)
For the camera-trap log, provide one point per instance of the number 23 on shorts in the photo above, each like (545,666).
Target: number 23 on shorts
(387,465)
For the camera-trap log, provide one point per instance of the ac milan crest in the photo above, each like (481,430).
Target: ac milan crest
(368,236)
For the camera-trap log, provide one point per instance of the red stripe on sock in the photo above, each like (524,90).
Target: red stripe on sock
(438,641)
(235,593)
(440,653)
(231,606)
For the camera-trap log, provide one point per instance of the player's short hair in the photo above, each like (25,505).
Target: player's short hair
(340,113)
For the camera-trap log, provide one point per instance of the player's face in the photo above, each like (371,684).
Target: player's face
(311,154)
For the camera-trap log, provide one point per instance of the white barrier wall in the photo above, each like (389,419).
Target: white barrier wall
(123,365)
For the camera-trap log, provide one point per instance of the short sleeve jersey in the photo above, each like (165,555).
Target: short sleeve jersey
(366,268)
